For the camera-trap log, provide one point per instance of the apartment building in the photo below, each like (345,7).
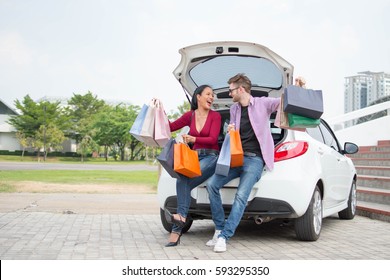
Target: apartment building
(365,88)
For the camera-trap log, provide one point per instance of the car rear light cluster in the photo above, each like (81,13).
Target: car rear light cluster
(290,150)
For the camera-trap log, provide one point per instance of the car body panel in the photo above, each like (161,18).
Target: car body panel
(289,181)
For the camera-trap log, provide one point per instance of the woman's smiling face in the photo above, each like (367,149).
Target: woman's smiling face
(206,98)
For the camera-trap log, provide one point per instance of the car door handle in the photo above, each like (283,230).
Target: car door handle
(320,151)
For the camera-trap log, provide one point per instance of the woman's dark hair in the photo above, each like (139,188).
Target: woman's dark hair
(198,91)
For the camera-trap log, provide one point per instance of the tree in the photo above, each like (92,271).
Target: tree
(104,126)
(50,138)
(86,146)
(123,117)
(30,119)
(112,127)
(185,107)
(23,140)
(35,117)
(81,110)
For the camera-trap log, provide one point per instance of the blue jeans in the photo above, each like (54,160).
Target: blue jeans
(185,185)
(249,174)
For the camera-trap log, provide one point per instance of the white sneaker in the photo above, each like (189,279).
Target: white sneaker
(220,246)
(213,241)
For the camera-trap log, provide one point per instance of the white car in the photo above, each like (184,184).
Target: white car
(312,178)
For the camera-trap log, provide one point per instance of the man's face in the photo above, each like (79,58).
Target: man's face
(234,92)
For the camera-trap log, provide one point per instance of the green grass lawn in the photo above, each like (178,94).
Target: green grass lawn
(69,160)
(81,176)
(7,177)
(148,178)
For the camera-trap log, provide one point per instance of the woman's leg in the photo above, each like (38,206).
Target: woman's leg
(185,185)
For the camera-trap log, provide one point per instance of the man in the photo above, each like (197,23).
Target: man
(250,115)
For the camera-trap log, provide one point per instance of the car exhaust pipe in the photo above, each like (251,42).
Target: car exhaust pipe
(258,220)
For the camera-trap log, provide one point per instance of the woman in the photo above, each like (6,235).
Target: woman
(204,130)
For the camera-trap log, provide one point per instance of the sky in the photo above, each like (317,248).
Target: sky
(126,51)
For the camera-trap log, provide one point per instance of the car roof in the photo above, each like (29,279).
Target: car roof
(213,63)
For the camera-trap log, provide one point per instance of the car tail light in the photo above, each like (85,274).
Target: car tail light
(290,150)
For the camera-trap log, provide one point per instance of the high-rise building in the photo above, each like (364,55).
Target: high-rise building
(365,88)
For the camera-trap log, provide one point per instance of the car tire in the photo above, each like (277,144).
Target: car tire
(349,212)
(168,227)
(308,227)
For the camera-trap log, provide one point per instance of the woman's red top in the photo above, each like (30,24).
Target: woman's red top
(207,138)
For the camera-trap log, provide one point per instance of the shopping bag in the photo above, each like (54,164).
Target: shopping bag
(139,121)
(303,102)
(283,115)
(297,121)
(162,132)
(281,118)
(278,113)
(223,162)
(236,151)
(186,161)
(147,130)
(166,158)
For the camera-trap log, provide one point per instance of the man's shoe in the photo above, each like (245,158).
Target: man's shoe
(220,246)
(213,241)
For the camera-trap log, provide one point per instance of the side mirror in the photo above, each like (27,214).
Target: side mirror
(350,148)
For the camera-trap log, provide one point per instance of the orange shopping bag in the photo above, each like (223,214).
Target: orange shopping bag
(237,154)
(186,161)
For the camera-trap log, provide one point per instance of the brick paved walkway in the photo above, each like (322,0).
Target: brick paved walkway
(26,235)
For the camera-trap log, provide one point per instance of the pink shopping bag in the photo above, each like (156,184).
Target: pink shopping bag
(162,132)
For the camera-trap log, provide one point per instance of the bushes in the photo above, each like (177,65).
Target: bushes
(26,153)
(12,153)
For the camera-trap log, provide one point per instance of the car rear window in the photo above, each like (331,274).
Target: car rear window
(218,70)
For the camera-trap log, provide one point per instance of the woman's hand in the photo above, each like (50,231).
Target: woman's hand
(188,138)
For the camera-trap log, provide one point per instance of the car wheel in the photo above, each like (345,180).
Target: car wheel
(308,227)
(349,212)
(168,227)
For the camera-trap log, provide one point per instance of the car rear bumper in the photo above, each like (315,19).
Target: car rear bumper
(258,207)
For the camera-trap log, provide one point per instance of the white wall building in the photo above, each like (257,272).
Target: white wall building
(363,89)
(8,139)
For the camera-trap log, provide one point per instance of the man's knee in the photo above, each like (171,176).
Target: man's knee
(242,196)
(213,186)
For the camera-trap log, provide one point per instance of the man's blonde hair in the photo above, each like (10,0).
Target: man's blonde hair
(241,80)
